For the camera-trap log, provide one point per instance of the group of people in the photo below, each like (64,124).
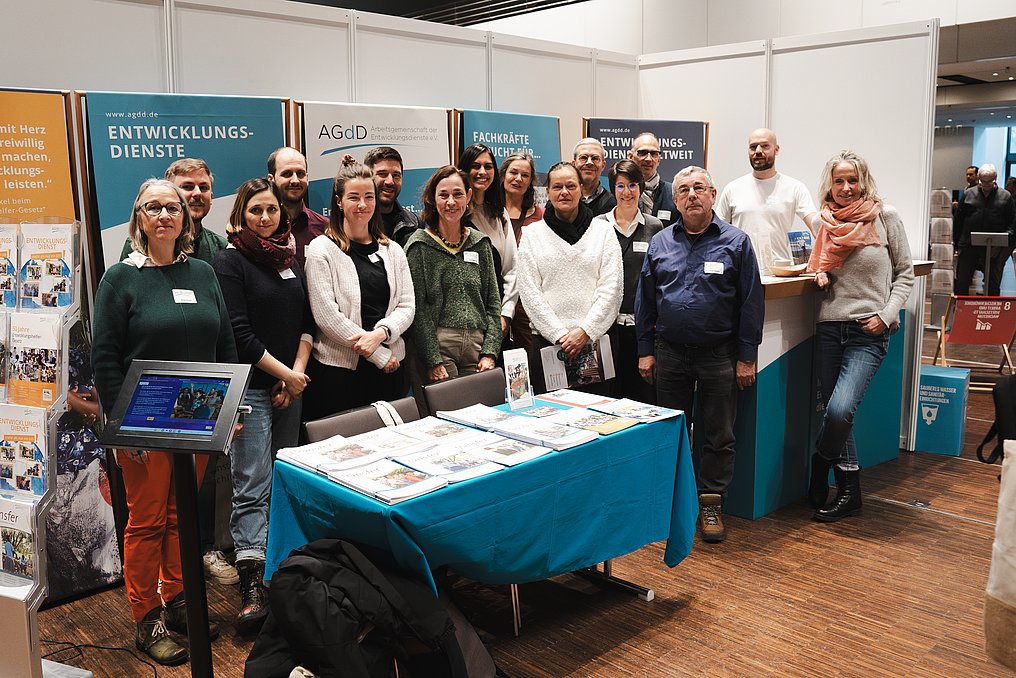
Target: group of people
(375,300)
(984,207)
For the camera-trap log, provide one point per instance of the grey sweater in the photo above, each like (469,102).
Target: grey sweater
(874,280)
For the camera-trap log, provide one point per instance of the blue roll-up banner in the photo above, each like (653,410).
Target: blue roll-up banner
(507,133)
(134,136)
(331,130)
(682,142)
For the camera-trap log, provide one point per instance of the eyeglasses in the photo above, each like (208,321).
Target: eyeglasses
(589,158)
(643,152)
(698,189)
(154,209)
(622,187)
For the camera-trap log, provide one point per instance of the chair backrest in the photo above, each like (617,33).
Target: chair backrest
(486,388)
(358,421)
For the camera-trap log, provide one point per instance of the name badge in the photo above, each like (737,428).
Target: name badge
(714,267)
(287,274)
(663,215)
(184,297)
(373,258)
(638,246)
(471,257)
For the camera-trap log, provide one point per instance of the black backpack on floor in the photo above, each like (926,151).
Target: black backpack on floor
(1004,426)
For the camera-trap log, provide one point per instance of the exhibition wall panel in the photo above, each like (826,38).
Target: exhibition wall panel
(615,85)
(724,86)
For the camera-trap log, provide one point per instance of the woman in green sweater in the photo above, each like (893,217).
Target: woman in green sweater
(457,328)
(156,304)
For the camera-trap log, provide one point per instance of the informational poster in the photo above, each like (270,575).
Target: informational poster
(507,133)
(682,142)
(132,137)
(331,130)
(35,167)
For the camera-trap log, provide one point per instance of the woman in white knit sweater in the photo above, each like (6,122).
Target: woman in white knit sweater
(361,295)
(570,276)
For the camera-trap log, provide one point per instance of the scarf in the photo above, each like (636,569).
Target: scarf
(843,230)
(646,197)
(277,251)
(573,232)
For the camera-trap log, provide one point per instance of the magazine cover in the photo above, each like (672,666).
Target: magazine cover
(47,265)
(17,543)
(800,246)
(516,374)
(591,420)
(388,481)
(431,429)
(334,453)
(499,449)
(9,266)
(625,407)
(478,416)
(452,464)
(566,396)
(33,365)
(593,364)
(24,469)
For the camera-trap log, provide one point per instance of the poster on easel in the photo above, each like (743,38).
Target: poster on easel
(421,135)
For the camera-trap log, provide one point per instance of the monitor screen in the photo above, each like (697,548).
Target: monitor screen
(175,404)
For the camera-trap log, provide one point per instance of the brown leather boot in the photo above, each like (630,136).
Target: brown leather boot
(154,640)
(176,618)
(711,518)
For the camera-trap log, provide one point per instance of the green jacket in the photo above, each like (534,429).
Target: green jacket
(453,292)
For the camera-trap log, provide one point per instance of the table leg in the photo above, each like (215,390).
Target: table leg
(605,578)
(513,590)
(193,570)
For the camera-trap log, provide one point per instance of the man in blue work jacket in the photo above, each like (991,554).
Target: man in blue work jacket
(698,318)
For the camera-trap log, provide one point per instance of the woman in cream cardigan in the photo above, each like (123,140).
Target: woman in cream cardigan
(361,295)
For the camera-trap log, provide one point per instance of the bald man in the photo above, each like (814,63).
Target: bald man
(766,204)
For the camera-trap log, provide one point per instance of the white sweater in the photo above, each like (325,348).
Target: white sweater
(567,286)
(334,291)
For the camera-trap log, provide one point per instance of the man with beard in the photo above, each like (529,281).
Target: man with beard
(386,165)
(194,179)
(287,167)
(658,198)
(764,203)
(589,159)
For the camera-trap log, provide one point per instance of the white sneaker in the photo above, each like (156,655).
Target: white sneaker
(219,569)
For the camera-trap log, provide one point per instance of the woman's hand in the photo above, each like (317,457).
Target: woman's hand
(486,363)
(295,383)
(574,341)
(504,326)
(822,280)
(391,365)
(365,343)
(281,397)
(437,373)
(873,325)
(85,404)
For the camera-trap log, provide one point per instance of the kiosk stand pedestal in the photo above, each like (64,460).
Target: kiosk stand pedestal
(989,240)
(184,409)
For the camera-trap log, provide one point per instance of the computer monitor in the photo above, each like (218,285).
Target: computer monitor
(177,406)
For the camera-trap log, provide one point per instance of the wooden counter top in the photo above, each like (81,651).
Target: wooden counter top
(799,285)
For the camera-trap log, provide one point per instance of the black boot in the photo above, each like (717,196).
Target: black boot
(153,639)
(176,618)
(848,497)
(818,486)
(253,596)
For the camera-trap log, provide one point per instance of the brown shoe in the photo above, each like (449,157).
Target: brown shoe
(176,618)
(154,640)
(711,518)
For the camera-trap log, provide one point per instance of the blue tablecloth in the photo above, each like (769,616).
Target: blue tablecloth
(555,514)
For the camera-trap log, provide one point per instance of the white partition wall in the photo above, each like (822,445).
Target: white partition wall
(725,86)
(615,85)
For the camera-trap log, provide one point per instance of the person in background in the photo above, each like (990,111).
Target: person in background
(589,159)
(287,167)
(569,276)
(488,215)
(457,329)
(361,294)
(386,164)
(862,260)
(157,304)
(518,187)
(984,208)
(262,284)
(634,231)
(658,198)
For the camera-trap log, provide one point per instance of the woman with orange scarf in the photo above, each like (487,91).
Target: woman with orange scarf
(862,261)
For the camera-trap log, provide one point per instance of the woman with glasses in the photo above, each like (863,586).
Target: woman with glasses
(488,216)
(518,187)
(570,279)
(265,294)
(862,260)
(634,230)
(157,304)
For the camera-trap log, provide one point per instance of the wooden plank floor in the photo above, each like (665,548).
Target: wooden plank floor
(896,592)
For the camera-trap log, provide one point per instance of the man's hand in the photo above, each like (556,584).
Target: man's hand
(486,363)
(573,342)
(647,368)
(873,325)
(437,373)
(744,372)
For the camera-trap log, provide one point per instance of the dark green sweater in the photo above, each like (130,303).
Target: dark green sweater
(136,316)
(451,292)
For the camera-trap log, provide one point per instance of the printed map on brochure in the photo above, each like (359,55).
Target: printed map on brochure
(644,412)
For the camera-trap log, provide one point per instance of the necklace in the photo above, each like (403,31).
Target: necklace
(448,244)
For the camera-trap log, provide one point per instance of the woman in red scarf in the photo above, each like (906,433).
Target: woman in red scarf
(862,261)
(266,299)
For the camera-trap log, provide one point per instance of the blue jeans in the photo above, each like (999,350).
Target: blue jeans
(700,381)
(265,431)
(848,359)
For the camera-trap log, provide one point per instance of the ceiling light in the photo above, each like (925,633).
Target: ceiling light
(1012,77)
(949,120)
(995,74)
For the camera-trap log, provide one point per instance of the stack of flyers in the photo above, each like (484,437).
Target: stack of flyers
(543,432)
(331,454)
(23,464)
(390,441)
(504,451)
(388,481)
(478,416)
(47,255)
(431,429)
(626,407)
(449,463)
(591,420)
(543,411)
(572,398)
(9,266)
(17,544)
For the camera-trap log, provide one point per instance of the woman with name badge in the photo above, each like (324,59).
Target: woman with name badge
(634,229)
(571,283)
(458,309)
(361,294)
(488,215)
(266,297)
(862,261)
(156,304)
(518,186)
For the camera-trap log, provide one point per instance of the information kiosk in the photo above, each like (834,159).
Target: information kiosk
(186,409)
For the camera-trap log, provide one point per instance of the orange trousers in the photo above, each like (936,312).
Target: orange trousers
(151,540)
